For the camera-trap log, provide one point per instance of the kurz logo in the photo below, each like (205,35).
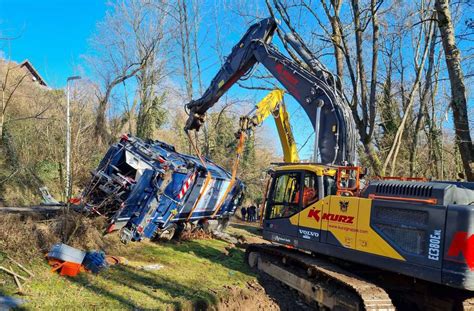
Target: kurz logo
(313,213)
(344,205)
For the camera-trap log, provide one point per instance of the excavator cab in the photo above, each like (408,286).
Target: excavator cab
(294,188)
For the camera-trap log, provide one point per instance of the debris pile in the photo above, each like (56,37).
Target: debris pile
(70,261)
(42,233)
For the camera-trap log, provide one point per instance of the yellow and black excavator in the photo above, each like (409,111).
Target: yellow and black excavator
(392,244)
(272,105)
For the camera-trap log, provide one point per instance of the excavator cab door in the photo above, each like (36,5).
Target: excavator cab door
(283,202)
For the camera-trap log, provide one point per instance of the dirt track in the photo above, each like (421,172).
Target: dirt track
(264,295)
(267,293)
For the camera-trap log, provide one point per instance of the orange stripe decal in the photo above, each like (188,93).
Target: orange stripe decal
(383,197)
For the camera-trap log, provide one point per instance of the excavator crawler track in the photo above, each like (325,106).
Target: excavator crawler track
(319,280)
(329,285)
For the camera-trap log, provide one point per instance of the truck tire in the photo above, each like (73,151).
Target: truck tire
(222,224)
(166,234)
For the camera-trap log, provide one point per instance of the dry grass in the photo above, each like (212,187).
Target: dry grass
(198,234)
(29,236)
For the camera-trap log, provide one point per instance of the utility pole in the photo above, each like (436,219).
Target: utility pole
(68,139)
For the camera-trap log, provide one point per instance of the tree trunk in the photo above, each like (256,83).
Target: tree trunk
(2,122)
(336,38)
(458,89)
(424,99)
(359,34)
(100,131)
(2,116)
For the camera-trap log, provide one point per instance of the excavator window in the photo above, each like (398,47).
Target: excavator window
(330,185)
(285,196)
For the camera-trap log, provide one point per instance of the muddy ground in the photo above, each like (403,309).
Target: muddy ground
(265,294)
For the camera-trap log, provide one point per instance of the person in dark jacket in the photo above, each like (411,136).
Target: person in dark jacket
(252,211)
(243,212)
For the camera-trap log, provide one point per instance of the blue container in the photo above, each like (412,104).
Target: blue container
(66,253)
(95,261)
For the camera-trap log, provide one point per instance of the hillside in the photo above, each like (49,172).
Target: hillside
(195,274)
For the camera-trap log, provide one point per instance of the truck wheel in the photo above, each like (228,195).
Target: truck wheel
(166,234)
(222,224)
(180,228)
(204,225)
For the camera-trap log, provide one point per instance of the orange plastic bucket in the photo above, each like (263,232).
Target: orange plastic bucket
(70,268)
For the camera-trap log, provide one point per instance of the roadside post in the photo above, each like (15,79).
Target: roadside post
(68,139)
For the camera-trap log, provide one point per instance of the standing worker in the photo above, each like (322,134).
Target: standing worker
(253,211)
(243,212)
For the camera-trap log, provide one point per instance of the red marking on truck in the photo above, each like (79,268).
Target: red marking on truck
(330,217)
(463,243)
(110,228)
(124,137)
(186,186)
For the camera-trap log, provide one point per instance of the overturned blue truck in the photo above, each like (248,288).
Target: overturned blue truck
(146,189)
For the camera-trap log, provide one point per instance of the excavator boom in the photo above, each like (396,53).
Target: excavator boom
(313,89)
(237,64)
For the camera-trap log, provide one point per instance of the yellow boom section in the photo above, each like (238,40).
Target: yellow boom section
(273,104)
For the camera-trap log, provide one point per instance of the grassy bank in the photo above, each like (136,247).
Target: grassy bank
(195,274)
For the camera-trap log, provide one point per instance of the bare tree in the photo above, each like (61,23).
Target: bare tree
(458,89)
(424,100)
(151,114)
(125,30)
(422,48)
(12,78)
(188,25)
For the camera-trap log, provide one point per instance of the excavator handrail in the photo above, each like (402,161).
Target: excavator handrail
(354,190)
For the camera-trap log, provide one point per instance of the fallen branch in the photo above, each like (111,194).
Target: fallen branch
(17,281)
(12,273)
(21,266)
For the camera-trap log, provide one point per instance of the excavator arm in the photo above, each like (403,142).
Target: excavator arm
(312,87)
(273,105)
(240,60)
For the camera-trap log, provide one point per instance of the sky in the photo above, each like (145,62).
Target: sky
(52,34)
